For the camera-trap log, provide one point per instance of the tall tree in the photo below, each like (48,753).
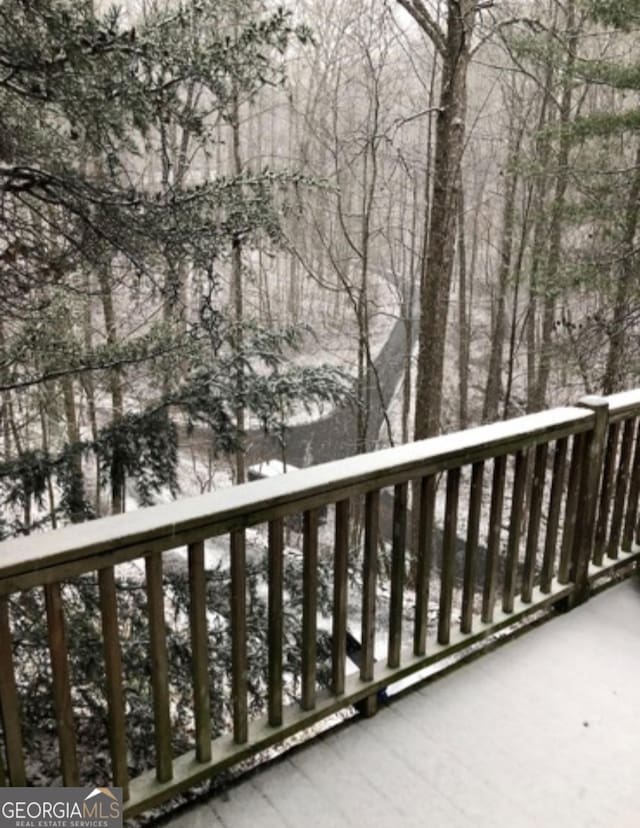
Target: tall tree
(453,45)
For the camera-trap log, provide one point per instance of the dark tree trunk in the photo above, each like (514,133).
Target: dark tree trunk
(439,250)
(550,278)
(493,391)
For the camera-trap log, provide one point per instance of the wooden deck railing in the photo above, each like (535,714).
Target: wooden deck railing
(573,475)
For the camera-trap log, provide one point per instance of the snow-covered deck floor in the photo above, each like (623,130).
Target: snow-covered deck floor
(544,731)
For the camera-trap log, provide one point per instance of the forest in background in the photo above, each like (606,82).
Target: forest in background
(195,194)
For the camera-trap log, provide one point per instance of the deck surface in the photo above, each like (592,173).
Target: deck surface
(544,731)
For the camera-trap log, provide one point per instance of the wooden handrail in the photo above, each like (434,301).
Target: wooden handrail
(577,467)
(623,405)
(119,538)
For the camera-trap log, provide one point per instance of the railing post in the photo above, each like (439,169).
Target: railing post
(159,667)
(117,720)
(592,462)
(448,556)
(340,597)
(471,547)
(62,702)
(369,705)
(309,608)
(424,551)
(239,636)
(397,574)
(631,517)
(9,706)
(199,651)
(276,618)
(553,515)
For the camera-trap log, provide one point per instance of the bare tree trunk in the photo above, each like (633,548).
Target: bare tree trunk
(44,427)
(555,230)
(19,448)
(463,321)
(543,159)
(6,428)
(493,389)
(370,180)
(524,234)
(6,400)
(87,380)
(73,435)
(15,432)
(408,310)
(115,385)
(293,298)
(238,299)
(438,258)
(537,253)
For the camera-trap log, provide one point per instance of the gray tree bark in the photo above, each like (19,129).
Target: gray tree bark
(440,235)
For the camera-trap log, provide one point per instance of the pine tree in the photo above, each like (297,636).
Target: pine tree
(603,214)
(100,202)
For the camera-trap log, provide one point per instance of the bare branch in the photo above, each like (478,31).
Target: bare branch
(535,25)
(424,19)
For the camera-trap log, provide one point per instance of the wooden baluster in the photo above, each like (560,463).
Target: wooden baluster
(340,597)
(199,650)
(622,481)
(471,547)
(239,636)
(535,516)
(397,574)
(606,489)
(275,630)
(423,563)
(493,539)
(309,608)
(449,540)
(61,684)
(553,518)
(9,707)
(113,676)
(631,517)
(515,525)
(370,566)
(571,509)
(159,667)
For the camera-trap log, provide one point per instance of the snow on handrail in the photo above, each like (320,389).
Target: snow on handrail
(170,525)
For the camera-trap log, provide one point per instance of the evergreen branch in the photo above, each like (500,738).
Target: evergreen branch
(90,366)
